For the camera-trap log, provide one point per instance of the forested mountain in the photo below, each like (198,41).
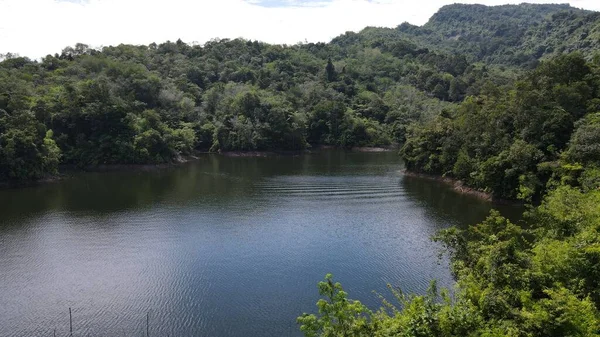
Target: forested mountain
(515,35)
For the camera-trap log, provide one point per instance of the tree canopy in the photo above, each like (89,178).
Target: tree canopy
(152,104)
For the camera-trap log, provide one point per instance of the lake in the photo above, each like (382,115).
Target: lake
(221,246)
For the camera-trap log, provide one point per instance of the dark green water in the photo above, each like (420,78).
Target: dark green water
(219,247)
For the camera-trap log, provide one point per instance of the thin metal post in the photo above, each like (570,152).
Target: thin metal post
(148,324)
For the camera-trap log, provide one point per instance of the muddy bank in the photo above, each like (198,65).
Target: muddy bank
(373,149)
(300,152)
(460,187)
(259,153)
(357,148)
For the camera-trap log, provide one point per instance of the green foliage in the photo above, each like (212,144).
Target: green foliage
(506,140)
(510,35)
(504,98)
(585,144)
(536,140)
(338,316)
(590,179)
(372,88)
(27,149)
(153,104)
(539,278)
(416,316)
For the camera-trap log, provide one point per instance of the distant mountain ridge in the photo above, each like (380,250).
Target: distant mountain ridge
(517,35)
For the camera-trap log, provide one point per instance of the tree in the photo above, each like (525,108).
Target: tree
(338,316)
(584,146)
(330,72)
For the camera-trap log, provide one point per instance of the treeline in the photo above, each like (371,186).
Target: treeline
(538,139)
(515,141)
(153,104)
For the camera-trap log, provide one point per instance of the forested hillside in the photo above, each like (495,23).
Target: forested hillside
(153,104)
(512,141)
(512,35)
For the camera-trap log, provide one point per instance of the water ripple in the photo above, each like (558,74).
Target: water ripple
(220,247)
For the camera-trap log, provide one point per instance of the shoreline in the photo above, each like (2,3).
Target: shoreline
(357,148)
(66,171)
(8,185)
(459,187)
(362,149)
(374,149)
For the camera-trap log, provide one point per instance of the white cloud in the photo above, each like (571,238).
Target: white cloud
(35,28)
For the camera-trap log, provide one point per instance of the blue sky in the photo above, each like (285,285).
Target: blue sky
(35,28)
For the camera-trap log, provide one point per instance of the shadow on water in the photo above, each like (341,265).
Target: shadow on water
(212,178)
(442,202)
(221,246)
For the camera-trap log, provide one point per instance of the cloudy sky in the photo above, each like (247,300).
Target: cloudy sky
(35,28)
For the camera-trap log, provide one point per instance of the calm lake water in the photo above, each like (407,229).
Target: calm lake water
(223,246)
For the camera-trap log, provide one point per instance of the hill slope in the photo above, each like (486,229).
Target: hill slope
(148,104)
(517,35)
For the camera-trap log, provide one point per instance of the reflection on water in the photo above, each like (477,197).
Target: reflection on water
(442,202)
(218,247)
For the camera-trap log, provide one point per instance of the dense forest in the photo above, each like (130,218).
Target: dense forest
(505,99)
(514,141)
(153,104)
(509,35)
(535,139)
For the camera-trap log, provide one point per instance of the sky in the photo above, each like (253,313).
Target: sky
(35,28)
